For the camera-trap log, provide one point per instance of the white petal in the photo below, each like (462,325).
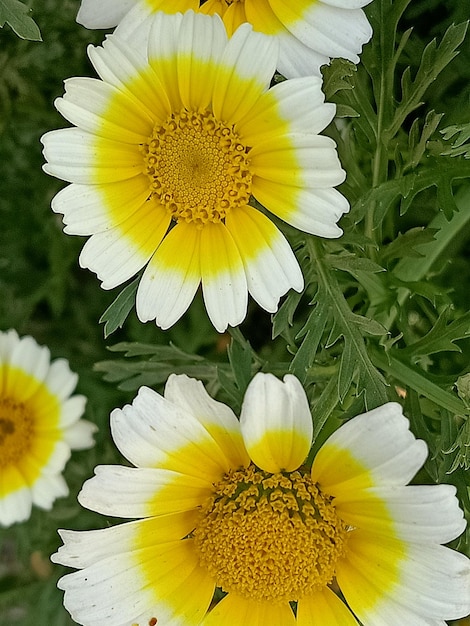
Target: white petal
(71,410)
(297,59)
(100,108)
(117,254)
(171,279)
(335,32)
(202,40)
(75,156)
(154,432)
(429,580)
(276,422)
(60,380)
(135,28)
(246,69)
(418,513)
(223,277)
(119,64)
(103,14)
(79,436)
(15,506)
(298,103)
(219,419)
(89,209)
(314,211)
(47,488)
(83,548)
(316,160)
(271,268)
(371,450)
(131,492)
(116,590)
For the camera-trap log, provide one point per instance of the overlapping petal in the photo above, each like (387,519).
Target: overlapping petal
(154,432)
(424,513)
(218,419)
(377,448)
(235,610)
(271,268)
(131,492)
(310,32)
(324,608)
(224,285)
(162,579)
(336,31)
(171,278)
(244,73)
(116,254)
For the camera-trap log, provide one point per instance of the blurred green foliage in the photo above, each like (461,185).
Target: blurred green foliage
(385,314)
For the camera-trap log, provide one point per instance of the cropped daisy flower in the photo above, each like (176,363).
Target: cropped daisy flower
(227,504)
(39,425)
(169,150)
(309,32)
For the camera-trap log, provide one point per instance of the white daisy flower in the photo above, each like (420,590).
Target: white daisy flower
(169,150)
(228,504)
(39,425)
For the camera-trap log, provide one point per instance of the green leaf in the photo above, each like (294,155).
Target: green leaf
(434,59)
(412,376)
(15,14)
(117,312)
(336,76)
(355,363)
(312,332)
(418,142)
(448,230)
(440,173)
(284,318)
(157,352)
(352,263)
(404,245)
(131,373)
(460,145)
(242,358)
(441,337)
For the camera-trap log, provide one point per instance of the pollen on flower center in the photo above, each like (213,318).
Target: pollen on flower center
(270,537)
(16,431)
(198,167)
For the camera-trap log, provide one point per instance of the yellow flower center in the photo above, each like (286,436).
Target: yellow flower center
(16,431)
(269,537)
(198,167)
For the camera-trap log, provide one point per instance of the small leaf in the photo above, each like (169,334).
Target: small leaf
(404,244)
(344,110)
(312,333)
(241,357)
(434,59)
(441,337)
(284,318)
(460,145)
(117,312)
(336,76)
(351,263)
(15,14)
